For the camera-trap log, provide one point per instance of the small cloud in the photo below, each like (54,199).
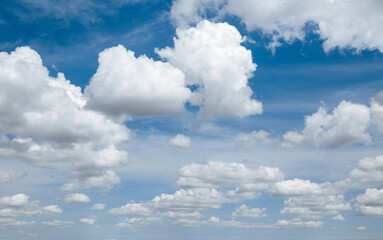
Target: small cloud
(77,198)
(180,141)
(361,228)
(98,206)
(338,217)
(90,220)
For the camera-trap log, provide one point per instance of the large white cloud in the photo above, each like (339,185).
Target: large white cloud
(347,124)
(44,121)
(340,23)
(212,58)
(136,87)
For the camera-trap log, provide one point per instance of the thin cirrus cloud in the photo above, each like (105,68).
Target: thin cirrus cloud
(341,24)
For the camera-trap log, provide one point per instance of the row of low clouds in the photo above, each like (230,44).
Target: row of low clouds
(209,185)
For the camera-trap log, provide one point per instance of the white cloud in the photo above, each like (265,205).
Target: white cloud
(14,222)
(104,180)
(136,87)
(338,217)
(131,209)
(89,221)
(7,176)
(253,139)
(215,174)
(139,222)
(246,212)
(77,198)
(368,173)
(297,222)
(300,187)
(19,205)
(52,209)
(58,223)
(312,207)
(48,122)
(98,206)
(361,228)
(189,200)
(180,141)
(17,200)
(212,58)
(377,111)
(346,125)
(370,203)
(344,23)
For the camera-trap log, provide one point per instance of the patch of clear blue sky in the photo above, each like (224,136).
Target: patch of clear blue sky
(290,83)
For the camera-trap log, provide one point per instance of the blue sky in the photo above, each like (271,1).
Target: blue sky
(191,119)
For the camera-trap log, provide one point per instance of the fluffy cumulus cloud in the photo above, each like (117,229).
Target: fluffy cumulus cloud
(253,139)
(368,173)
(44,120)
(300,187)
(347,124)
(215,63)
(77,198)
(180,141)
(370,202)
(136,87)
(17,200)
(343,23)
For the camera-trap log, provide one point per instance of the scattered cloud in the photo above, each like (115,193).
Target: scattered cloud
(346,125)
(98,206)
(246,212)
(253,139)
(180,141)
(90,220)
(131,209)
(361,228)
(77,198)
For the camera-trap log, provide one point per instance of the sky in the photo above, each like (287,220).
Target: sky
(191,119)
